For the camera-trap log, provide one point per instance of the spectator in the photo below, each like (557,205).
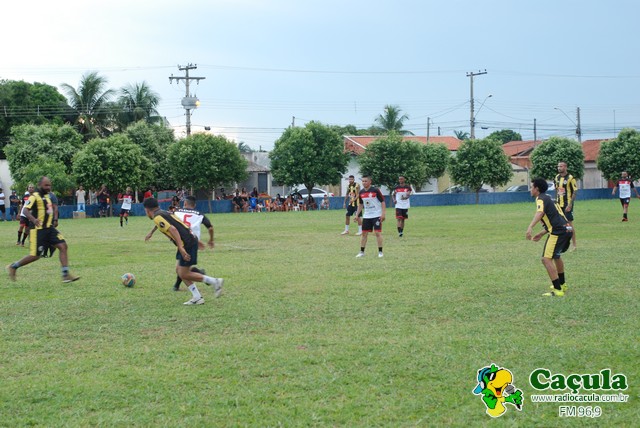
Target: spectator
(324,205)
(238,203)
(103,200)
(14,203)
(80,198)
(254,193)
(2,205)
(310,203)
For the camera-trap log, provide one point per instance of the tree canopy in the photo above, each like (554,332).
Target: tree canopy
(436,158)
(62,182)
(154,140)
(620,154)
(310,155)
(114,161)
(392,120)
(59,143)
(479,162)
(545,158)
(505,135)
(137,102)
(206,161)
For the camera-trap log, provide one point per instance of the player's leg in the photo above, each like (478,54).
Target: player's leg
(347,220)
(30,258)
(377,227)
(550,252)
(56,240)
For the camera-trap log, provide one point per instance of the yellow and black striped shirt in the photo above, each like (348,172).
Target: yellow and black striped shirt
(553,219)
(41,208)
(566,187)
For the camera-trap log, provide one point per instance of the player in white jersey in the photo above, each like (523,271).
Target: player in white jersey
(401,199)
(625,184)
(374,211)
(126,200)
(193,219)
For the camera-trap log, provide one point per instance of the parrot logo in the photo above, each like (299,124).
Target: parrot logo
(495,385)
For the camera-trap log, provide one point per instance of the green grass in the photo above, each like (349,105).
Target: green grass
(305,334)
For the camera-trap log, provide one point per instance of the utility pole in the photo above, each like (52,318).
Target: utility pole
(578,129)
(535,131)
(188,102)
(472,120)
(293,121)
(428,123)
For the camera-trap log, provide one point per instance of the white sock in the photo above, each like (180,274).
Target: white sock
(360,229)
(208,280)
(346,228)
(194,291)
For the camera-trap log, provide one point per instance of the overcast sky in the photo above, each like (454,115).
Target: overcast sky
(341,62)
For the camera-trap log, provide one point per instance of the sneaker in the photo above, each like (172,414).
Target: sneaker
(359,233)
(400,235)
(360,254)
(12,272)
(176,287)
(194,301)
(563,286)
(217,286)
(18,243)
(69,278)
(380,255)
(346,232)
(625,219)
(554,292)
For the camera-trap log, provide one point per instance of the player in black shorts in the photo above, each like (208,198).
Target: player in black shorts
(351,203)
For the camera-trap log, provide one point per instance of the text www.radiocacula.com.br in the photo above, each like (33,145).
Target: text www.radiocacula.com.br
(581,398)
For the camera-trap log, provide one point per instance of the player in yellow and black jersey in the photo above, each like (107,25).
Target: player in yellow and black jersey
(351,202)
(554,223)
(187,255)
(43,236)
(566,193)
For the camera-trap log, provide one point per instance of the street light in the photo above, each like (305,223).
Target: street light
(473,116)
(578,130)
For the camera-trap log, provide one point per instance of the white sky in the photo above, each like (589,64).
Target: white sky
(339,62)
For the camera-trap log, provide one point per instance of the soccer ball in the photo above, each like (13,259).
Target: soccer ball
(128,280)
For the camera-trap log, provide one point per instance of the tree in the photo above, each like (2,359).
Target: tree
(244,147)
(310,155)
(58,143)
(436,157)
(461,135)
(546,156)
(25,103)
(154,140)
(91,102)
(114,161)
(392,120)
(136,103)
(505,135)
(385,159)
(204,161)
(479,162)
(62,182)
(620,154)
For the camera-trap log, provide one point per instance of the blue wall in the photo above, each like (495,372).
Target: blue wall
(439,199)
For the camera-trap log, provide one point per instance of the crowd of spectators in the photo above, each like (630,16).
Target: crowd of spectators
(256,202)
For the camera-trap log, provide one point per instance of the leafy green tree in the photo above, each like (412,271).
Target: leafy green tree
(461,135)
(154,140)
(204,161)
(310,155)
(244,147)
(479,162)
(505,135)
(91,102)
(436,157)
(392,120)
(137,102)
(59,143)
(62,182)
(545,158)
(389,157)
(114,161)
(620,154)
(26,103)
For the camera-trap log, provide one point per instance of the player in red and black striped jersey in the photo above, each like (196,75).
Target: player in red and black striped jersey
(554,223)
(401,200)
(374,209)
(23,229)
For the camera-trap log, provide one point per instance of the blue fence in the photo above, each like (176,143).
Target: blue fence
(335,202)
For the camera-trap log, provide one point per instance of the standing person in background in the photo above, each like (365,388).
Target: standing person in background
(2,205)
(625,184)
(351,203)
(80,198)
(103,200)
(566,192)
(126,200)
(23,229)
(401,200)
(14,203)
(375,211)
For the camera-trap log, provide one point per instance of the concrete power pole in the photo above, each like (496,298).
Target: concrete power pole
(188,102)
(578,128)
(472,120)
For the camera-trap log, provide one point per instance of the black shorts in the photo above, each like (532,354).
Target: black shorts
(402,213)
(193,252)
(351,210)
(555,245)
(625,201)
(371,224)
(124,212)
(24,221)
(43,240)
(2,209)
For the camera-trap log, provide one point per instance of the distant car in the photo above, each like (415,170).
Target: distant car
(520,188)
(317,193)
(166,195)
(461,189)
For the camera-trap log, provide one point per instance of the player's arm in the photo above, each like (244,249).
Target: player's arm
(615,188)
(359,210)
(150,234)
(384,205)
(574,194)
(536,218)
(635,190)
(393,196)
(207,223)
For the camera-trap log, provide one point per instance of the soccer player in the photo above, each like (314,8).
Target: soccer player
(554,222)
(40,212)
(371,203)
(401,200)
(23,229)
(625,184)
(187,254)
(193,219)
(353,190)
(566,192)
(126,201)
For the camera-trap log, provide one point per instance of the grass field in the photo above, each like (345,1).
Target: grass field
(307,335)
